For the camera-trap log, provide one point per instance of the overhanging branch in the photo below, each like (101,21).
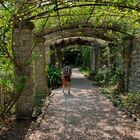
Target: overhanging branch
(110,4)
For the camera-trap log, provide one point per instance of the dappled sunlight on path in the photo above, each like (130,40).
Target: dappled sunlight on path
(84,115)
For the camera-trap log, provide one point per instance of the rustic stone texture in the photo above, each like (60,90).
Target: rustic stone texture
(22,42)
(95,58)
(59,57)
(60,42)
(126,61)
(52,56)
(134,80)
(40,82)
(92,61)
(47,55)
(34,71)
(71,32)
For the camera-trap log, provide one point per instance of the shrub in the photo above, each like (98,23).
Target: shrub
(132,102)
(129,102)
(53,76)
(83,57)
(108,75)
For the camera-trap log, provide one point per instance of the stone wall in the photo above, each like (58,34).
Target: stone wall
(134,79)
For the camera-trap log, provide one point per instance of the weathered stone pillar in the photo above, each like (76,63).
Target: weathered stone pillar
(134,78)
(52,56)
(92,60)
(58,57)
(40,83)
(127,50)
(97,59)
(47,55)
(22,45)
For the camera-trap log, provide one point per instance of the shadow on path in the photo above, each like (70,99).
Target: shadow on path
(18,131)
(84,115)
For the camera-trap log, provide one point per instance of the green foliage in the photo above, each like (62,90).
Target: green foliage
(132,102)
(20,84)
(40,25)
(87,71)
(106,15)
(83,58)
(6,73)
(53,76)
(39,98)
(108,75)
(6,63)
(109,15)
(111,59)
(115,97)
(129,102)
(84,70)
(36,56)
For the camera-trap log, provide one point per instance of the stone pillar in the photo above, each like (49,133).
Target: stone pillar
(47,55)
(22,50)
(58,57)
(92,60)
(52,56)
(40,83)
(97,59)
(134,78)
(127,48)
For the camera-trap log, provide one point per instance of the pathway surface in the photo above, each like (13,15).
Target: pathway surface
(84,115)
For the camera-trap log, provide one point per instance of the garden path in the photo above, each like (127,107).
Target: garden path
(84,115)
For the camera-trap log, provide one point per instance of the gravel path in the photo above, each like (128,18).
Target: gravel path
(84,115)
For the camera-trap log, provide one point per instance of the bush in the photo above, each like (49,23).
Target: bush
(108,75)
(83,57)
(53,76)
(129,102)
(109,91)
(132,102)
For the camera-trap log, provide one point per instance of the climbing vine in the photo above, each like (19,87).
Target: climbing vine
(113,19)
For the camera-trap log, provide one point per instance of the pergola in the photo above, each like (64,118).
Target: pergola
(37,24)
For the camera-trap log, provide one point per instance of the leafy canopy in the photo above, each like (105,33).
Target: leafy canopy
(124,14)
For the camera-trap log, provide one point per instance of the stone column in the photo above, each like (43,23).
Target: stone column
(134,77)
(52,56)
(92,59)
(47,55)
(97,58)
(58,57)
(40,82)
(22,50)
(127,50)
